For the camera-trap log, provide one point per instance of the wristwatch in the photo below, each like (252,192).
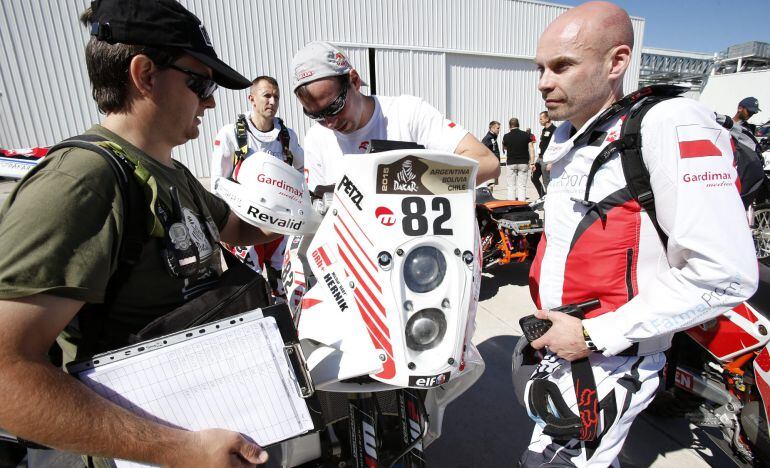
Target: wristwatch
(589,342)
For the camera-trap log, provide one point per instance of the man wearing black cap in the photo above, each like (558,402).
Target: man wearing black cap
(746,109)
(153,71)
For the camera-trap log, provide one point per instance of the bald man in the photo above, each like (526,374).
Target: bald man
(648,286)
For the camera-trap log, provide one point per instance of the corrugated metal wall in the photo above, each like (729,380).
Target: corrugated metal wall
(471,58)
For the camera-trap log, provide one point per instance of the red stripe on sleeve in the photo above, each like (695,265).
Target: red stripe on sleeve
(698,149)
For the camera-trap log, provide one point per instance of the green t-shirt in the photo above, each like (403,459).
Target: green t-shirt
(61,228)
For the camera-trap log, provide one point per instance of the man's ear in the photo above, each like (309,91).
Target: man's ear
(141,73)
(355,79)
(619,60)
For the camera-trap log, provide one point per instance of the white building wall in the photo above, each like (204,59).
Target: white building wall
(470,58)
(722,93)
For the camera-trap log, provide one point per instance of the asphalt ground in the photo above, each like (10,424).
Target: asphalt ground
(486,427)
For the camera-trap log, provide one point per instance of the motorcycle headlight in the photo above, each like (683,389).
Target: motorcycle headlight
(424,269)
(425,329)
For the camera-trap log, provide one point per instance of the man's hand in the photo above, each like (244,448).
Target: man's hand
(239,232)
(565,337)
(218,448)
(489,165)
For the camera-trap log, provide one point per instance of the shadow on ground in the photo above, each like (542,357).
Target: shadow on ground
(485,426)
(516,274)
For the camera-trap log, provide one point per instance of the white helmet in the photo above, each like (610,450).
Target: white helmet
(270,194)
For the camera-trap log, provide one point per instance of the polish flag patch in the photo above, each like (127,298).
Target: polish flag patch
(217,143)
(697,142)
(452,125)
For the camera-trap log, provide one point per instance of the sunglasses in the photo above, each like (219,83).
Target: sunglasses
(332,109)
(201,85)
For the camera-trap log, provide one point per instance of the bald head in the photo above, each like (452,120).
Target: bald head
(598,25)
(582,57)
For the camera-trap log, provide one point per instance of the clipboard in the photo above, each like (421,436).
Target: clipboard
(177,357)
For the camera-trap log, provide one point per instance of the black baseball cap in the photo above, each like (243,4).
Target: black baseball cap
(751,104)
(161,23)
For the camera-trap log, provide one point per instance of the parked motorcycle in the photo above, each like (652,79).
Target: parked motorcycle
(718,376)
(759,211)
(384,295)
(759,221)
(15,163)
(510,229)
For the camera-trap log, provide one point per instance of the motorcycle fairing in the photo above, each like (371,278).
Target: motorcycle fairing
(762,378)
(730,335)
(329,316)
(395,202)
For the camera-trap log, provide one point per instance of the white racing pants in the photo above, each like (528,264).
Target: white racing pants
(626,385)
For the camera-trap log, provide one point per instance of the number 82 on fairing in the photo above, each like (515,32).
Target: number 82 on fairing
(417,211)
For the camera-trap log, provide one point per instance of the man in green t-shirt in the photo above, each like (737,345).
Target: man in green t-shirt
(153,71)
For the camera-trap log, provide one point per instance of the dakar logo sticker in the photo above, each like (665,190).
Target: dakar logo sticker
(414,176)
(405,178)
(385,216)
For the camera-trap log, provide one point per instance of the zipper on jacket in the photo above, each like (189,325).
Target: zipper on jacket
(629,266)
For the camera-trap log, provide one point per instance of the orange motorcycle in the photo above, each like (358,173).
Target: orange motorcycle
(510,229)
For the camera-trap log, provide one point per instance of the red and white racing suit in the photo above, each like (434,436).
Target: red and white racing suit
(647,291)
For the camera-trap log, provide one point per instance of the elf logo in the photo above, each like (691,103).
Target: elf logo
(428,381)
(385,216)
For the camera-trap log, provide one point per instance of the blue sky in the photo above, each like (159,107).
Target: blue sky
(698,26)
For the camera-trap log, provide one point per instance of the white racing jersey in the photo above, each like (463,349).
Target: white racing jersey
(402,118)
(225,145)
(647,292)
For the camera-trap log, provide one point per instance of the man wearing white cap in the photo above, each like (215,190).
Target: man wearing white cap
(328,87)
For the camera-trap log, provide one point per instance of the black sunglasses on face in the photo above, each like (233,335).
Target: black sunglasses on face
(332,109)
(201,85)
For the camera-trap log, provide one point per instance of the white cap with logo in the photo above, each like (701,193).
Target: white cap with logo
(319,59)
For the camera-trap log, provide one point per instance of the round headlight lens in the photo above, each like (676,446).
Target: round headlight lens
(424,269)
(425,329)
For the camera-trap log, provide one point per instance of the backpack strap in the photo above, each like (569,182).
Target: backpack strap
(134,235)
(241,142)
(134,225)
(634,169)
(284,138)
(629,145)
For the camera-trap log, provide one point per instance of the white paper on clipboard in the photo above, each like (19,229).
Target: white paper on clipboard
(223,375)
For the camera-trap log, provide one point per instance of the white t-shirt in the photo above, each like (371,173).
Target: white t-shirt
(402,118)
(267,142)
